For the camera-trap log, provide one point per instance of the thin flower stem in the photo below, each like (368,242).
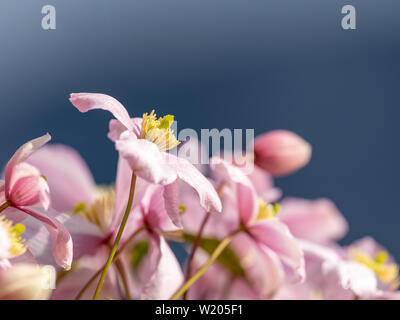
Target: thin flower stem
(122,274)
(198,240)
(194,249)
(118,238)
(119,252)
(121,271)
(215,254)
(4,206)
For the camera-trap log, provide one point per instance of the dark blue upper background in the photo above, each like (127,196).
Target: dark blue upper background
(263,64)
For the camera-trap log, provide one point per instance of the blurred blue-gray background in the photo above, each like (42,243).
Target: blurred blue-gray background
(262,64)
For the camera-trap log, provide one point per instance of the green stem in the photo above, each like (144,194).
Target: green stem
(215,254)
(194,249)
(121,271)
(119,252)
(118,238)
(4,206)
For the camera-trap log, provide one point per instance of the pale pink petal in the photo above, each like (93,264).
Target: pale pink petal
(171,202)
(22,154)
(153,207)
(165,276)
(348,280)
(276,236)
(86,237)
(264,185)
(145,159)
(116,128)
(246,195)
(67,174)
(209,198)
(122,187)
(85,102)
(5,243)
(263,268)
(315,220)
(62,242)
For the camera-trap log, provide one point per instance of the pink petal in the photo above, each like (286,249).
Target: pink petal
(277,237)
(85,102)
(62,243)
(153,206)
(86,236)
(171,202)
(209,198)
(165,274)
(145,159)
(318,220)
(117,128)
(22,154)
(245,193)
(263,268)
(264,185)
(348,276)
(67,174)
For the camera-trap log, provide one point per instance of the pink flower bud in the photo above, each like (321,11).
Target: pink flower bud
(281,152)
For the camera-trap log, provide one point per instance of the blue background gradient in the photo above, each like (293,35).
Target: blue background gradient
(262,64)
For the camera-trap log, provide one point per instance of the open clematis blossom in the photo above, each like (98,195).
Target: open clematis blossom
(258,220)
(143,143)
(25,192)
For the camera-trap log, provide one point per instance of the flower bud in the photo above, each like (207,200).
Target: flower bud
(281,152)
(24,282)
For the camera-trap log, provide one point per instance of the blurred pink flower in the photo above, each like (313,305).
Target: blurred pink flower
(93,215)
(25,187)
(24,282)
(257,219)
(281,152)
(314,220)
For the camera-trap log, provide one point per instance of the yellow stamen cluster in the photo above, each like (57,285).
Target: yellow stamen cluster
(267,210)
(100,212)
(17,246)
(386,272)
(158,131)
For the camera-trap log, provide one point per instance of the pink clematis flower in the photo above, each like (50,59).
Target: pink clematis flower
(363,270)
(25,188)
(258,218)
(266,250)
(92,216)
(142,142)
(90,212)
(314,220)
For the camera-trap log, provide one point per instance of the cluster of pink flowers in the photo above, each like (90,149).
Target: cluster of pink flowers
(244,241)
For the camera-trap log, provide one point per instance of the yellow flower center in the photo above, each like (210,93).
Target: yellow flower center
(386,272)
(100,212)
(159,131)
(17,246)
(267,210)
